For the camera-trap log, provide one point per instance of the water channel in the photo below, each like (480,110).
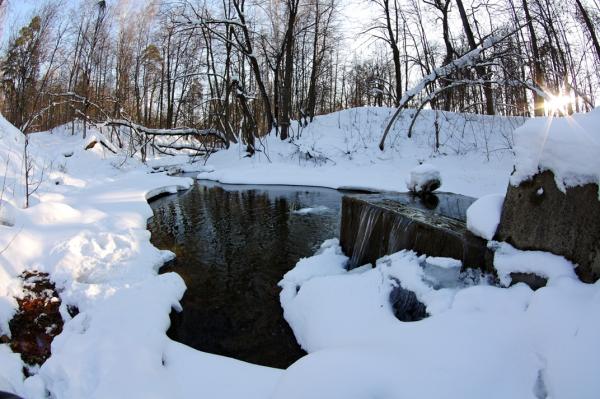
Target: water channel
(233,245)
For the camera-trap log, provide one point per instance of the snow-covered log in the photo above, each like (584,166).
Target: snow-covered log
(179,147)
(468,60)
(185,131)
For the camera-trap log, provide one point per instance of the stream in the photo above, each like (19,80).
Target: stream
(233,244)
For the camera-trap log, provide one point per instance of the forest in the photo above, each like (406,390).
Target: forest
(236,70)
(299,199)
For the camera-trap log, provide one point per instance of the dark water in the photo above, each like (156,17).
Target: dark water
(233,245)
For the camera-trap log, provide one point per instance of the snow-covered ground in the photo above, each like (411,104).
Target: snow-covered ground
(86,227)
(340,150)
(480,341)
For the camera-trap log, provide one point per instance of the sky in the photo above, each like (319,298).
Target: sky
(354,15)
(19,9)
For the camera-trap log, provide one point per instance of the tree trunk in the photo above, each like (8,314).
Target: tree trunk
(590,27)
(395,52)
(286,93)
(481,71)
(312,89)
(538,75)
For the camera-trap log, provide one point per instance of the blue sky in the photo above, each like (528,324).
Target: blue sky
(17,13)
(354,14)
(18,9)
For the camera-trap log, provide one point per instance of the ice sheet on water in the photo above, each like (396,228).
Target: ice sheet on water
(311,210)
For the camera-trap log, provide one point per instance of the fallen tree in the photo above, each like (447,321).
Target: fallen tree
(184,131)
(208,140)
(472,59)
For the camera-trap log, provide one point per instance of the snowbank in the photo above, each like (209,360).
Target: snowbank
(86,227)
(510,342)
(12,143)
(483,216)
(569,147)
(340,150)
(8,214)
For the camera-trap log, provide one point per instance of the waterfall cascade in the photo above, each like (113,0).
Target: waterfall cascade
(376,225)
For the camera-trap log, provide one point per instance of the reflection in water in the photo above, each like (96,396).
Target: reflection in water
(233,245)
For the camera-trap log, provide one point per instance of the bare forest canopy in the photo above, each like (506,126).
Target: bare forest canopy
(236,70)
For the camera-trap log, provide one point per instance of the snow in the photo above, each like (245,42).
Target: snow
(504,339)
(340,150)
(7,213)
(567,146)
(421,175)
(511,260)
(444,263)
(483,216)
(89,233)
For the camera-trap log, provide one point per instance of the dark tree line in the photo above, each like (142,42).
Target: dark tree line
(246,68)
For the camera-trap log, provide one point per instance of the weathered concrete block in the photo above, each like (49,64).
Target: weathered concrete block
(538,216)
(377,225)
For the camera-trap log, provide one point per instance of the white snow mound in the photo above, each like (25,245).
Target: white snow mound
(7,213)
(569,147)
(483,216)
(508,259)
(512,342)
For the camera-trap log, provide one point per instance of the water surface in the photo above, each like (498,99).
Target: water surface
(233,245)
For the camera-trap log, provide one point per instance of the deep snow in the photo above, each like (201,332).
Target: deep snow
(87,228)
(340,150)
(569,147)
(483,216)
(480,341)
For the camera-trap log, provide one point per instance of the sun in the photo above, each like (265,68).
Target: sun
(557,104)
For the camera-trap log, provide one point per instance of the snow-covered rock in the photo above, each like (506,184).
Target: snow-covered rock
(537,214)
(424,178)
(483,216)
(569,147)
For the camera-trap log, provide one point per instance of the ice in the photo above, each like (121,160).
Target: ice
(442,272)
(311,210)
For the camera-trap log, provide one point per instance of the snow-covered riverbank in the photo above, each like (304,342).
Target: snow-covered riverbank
(86,227)
(340,150)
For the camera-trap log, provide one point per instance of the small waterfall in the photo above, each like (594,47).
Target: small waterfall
(399,234)
(377,225)
(369,216)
